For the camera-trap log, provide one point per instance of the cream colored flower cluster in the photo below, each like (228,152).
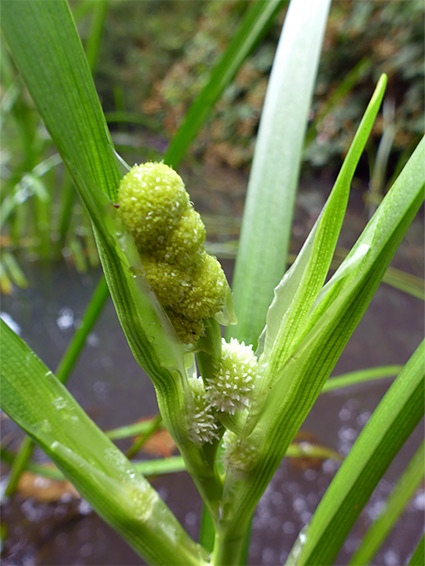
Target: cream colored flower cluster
(229,392)
(202,423)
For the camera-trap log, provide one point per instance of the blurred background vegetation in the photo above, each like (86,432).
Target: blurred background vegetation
(151,58)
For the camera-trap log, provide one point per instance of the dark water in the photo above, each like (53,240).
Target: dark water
(114,391)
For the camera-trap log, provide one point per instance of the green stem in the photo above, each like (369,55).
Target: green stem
(94,308)
(64,369)
(137,444)
(67,200)
(135,429)
(228,548)
(19,464)
(207,530)
(209,484)
(208,358)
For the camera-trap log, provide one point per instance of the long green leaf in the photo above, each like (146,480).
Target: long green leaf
(390,425)
(294,296)
(302,377)
(47,50)
(366,263)
(48,53)
(63,371)
(97,26)
(175,464)
(42,406)
(360,376)
(266,226)
(146,467)
(393,508)
(418,556)
(337,96)
(406,282)
(257,19)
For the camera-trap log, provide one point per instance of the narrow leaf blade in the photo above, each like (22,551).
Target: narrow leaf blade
(294,296)
(390,425)
(360,376)
(394,506)
(48,52)
(265,234)
(41,405)
(255,23)
(302,377)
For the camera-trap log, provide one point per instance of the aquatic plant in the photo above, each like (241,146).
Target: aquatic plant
(256,388)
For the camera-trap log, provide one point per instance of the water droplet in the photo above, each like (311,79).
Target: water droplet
(45,426)
(298,546)
(59,403)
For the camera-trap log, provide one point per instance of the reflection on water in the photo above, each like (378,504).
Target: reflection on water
(114,391)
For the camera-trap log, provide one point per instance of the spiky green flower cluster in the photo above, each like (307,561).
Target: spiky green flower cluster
(231,389)
(169,235)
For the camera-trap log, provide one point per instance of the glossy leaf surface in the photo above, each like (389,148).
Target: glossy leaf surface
(42,406)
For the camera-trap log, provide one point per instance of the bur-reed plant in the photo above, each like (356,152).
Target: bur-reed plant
(284,332)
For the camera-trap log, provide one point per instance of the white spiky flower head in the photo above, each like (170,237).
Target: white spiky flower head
(231,389)
(202,423)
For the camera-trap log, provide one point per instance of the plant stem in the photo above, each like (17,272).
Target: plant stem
(139,442)
(228,548)
(93,311)
(207,530)
(19,464)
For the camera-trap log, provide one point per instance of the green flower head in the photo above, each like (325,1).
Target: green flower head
(151,200)
(169,236)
